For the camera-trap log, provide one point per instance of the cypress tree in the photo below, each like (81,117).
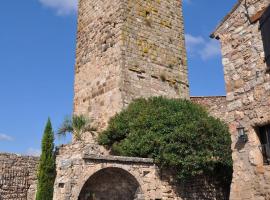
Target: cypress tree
(46,171)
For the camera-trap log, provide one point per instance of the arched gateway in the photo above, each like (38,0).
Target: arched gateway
(82,175)
(111,184)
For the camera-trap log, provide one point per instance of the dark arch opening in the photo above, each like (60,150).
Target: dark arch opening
(111,184)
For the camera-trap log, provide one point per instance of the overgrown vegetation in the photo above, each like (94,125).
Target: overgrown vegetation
(47,170)
(178,134)
(77,125)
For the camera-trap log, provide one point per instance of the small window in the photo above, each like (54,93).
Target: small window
(265,31)
(264,135)
(61,185)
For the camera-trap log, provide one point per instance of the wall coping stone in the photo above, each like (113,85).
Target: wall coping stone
(209,97)
(19,155)
(118,159)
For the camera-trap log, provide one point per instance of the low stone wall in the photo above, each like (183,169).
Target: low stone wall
(215,105)
(17,177)
(203,188)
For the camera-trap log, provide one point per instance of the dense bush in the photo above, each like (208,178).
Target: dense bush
(178,134)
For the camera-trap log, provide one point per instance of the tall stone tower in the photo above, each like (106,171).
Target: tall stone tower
(128,49)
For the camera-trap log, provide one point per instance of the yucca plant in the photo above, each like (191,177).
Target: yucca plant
(76,125)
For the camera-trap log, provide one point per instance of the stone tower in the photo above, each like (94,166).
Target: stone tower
(128,49)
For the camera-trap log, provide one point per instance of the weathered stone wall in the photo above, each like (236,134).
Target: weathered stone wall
(248,96)
(215,105)
(82,172)
(98,60)
(203,188)
(154,54)
(17,177)
(128,49)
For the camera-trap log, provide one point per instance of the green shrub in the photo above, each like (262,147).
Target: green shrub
(76,125)
(46,171)
(178,134)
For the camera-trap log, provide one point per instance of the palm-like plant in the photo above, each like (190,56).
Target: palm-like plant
(77,125)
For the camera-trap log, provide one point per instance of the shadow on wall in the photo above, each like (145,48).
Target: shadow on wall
(113,184)
(200,188)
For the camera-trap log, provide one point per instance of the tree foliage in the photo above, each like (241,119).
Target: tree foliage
(46,171)
(178,134)
(77,125)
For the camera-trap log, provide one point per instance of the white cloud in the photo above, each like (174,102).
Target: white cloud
(33,152)
(192,41)
(204,48)
(62,7)
(210,50)
(4,137)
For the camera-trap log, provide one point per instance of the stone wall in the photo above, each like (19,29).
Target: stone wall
(82,172)
(98,60)
(128,49)
(248,96)
(203,188)
(215,105)
(17,177)
(154,54)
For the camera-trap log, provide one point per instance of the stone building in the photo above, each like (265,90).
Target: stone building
(128,49)
(135,48)
(244,36)
(125,49)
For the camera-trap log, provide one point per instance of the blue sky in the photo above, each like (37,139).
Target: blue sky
(37,55)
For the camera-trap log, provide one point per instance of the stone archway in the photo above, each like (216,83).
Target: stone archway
(111,184)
